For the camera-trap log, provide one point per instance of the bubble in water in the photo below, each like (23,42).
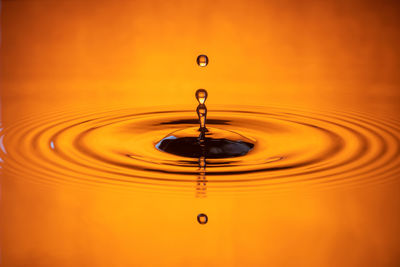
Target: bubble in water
(202,218)
(202,60)
(201,95)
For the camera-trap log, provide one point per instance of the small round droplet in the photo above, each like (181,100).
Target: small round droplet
(202,60)
(202,218)
(201,96)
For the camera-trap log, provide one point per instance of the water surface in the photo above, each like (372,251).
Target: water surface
(88,88)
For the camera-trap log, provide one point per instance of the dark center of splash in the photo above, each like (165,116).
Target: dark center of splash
(216,144)
(207,143)
(212,148)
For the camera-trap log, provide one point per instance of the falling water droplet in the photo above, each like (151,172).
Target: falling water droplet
(202,114)
(202,60)
(202,218)
(201,95)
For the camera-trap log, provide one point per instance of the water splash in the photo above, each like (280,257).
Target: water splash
(204,142)
(201,96)
(294,148)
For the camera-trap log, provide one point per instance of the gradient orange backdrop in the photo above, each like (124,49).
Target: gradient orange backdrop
(62,55)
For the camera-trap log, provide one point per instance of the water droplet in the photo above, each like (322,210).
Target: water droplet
(202,218)
(202,113)
(202,60)
(201,95)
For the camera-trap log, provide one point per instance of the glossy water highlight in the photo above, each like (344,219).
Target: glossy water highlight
(292,147)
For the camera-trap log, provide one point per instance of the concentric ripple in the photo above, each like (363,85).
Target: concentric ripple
(292,148)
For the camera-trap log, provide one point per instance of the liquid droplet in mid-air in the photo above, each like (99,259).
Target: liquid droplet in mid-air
(201,96)
(212,143)
(202,218)
(202,60)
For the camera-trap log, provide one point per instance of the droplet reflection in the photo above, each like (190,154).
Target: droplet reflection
(202,218)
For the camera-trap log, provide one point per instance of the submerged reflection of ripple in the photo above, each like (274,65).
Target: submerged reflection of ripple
(292,148)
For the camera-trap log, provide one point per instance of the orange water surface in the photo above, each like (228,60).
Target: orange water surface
(69,66)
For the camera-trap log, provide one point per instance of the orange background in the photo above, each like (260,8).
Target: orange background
(58,55)
(142,53)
